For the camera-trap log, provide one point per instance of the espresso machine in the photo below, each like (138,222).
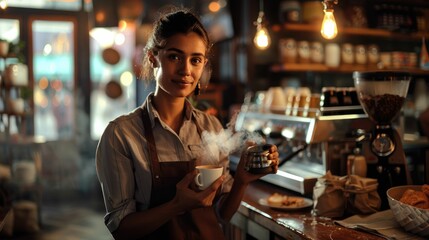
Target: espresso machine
(308,146)
(382,95)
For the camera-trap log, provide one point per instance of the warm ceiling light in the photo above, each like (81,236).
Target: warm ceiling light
(214,6)
(3,4)
(329,28)
(262,38)
(100,17)
(122,25)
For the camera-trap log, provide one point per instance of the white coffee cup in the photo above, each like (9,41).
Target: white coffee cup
(275,100)
(207,174)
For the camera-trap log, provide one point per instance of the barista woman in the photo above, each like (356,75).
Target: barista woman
(145,160)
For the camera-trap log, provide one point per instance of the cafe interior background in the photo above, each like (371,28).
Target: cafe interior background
(79,61)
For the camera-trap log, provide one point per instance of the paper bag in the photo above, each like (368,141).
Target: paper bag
(334,196)
(362,196)
(328,195)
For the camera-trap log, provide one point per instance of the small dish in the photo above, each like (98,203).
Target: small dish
(306,203)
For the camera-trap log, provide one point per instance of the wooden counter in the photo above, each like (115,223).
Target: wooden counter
(262,222)
(4,212)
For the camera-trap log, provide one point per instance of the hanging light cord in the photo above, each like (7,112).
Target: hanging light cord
(262,38)
(329,4)
(260,19)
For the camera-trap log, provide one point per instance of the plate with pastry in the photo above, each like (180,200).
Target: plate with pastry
(285,202)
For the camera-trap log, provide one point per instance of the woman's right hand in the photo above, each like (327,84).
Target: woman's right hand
(188,197)
(245,177)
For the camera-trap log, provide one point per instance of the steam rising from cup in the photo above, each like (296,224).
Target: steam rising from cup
(225,142)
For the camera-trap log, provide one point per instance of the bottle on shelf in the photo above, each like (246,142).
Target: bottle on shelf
(356,163)
(424,56)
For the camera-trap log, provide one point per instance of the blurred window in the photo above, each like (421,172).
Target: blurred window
(72,5)
(54,79)
(112,77)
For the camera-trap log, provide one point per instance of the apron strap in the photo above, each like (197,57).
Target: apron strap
(153,155)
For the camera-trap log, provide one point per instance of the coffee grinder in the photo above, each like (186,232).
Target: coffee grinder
(382,95)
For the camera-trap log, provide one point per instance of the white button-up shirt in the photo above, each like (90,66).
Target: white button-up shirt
(123,164)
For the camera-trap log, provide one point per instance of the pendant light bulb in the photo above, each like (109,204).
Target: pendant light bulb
(262,39)
(329,26)
(3,4)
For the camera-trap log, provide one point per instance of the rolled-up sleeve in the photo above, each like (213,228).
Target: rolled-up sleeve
(115,173)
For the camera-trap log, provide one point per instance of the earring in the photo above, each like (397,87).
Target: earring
(153,63)
(197,90)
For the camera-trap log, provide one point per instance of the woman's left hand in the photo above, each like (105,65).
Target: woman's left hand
(245,177)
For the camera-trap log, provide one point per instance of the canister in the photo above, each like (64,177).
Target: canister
(304,51)
(317,52)
(288,50)
(360,54)
(347,53)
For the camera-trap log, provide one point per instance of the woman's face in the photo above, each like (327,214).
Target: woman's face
(179,65)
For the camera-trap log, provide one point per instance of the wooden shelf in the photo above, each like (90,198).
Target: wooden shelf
(305,67)
(361,32)
(370,32)
(4,212)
